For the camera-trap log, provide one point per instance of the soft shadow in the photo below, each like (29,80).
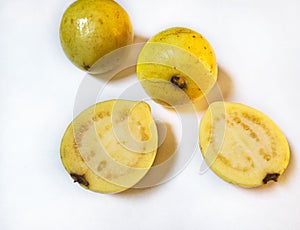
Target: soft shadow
(128,72)
(221,91)
(120,62)
(131,69)
(139,39)
(167,147)
(158,174)
(136,193)
(164,162)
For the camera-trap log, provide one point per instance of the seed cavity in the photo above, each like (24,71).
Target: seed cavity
(264,155)
(90,155)
(79,179)
(239,167)
(101,166)
(237,120)
(271,176)
(179,81)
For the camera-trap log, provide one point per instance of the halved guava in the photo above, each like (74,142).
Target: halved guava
(110,146)
(242,145)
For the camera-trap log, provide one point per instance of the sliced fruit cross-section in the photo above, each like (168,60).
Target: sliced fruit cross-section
(242,145)
(110,146)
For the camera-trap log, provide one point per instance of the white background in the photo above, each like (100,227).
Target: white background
(258,51)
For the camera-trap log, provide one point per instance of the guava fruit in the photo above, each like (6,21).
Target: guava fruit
(110,146)
(90,29)
(177,66)
(242,145)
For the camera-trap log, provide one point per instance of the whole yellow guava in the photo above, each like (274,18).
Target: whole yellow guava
(177,66)
(90,29)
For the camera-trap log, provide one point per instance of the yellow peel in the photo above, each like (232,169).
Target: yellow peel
(179,52)
(90,29)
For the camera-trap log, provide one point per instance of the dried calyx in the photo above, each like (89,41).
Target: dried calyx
(271,176)
(179,81)
(80,179)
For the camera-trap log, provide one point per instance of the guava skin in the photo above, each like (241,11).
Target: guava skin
(177,58)
(90,29)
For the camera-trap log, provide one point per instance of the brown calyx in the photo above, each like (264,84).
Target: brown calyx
(80,179)
(179,81)
(271,176)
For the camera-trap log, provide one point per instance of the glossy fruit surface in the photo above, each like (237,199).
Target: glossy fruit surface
(177,65)
(90,29)
(242,145)
(110,146)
